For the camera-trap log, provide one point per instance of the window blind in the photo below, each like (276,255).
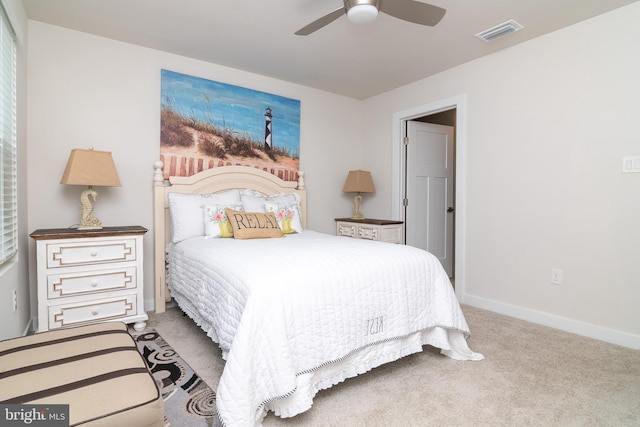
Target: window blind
(8,145)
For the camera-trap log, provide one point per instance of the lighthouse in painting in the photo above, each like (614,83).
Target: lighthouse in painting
(267,129)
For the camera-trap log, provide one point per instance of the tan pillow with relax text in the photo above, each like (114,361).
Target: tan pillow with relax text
(253,225)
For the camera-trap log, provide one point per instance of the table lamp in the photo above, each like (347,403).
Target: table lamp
(92,168)
(358,181)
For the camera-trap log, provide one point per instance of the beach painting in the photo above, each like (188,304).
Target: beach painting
(206,124)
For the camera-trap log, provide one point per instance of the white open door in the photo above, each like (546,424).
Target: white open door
(429,213)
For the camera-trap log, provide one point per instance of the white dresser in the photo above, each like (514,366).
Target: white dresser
(90,276)
(382,230)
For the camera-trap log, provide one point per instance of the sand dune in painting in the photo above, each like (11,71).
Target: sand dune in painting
(188,146)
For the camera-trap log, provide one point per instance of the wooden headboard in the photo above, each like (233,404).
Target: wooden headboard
(207,181)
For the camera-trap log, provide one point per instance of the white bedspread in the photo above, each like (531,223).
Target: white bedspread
(301,313)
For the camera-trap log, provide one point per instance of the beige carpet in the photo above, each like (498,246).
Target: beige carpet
(531,376)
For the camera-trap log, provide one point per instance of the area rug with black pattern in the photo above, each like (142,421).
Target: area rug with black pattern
(188,400)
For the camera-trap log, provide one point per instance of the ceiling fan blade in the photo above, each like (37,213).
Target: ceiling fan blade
(413,11)
(321,22)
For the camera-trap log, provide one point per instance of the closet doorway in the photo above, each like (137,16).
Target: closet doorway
(449,112)
(429,209)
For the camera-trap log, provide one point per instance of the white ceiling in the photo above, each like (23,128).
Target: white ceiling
(358,61)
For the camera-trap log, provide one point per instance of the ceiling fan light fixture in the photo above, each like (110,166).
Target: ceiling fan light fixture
(362,13)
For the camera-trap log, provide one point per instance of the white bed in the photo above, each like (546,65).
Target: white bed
(301,313)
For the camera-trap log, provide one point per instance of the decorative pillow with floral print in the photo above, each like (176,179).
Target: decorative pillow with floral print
(186,211)
(288,216)
(216,223)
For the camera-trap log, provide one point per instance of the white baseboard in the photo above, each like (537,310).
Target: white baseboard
(612,336)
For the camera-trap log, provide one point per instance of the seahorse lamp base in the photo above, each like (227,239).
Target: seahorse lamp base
(88,221)
(357,213)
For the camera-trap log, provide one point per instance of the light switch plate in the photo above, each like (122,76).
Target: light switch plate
(631,164)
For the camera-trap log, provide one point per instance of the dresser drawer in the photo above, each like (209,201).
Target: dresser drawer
(91,311)
(69,254)
(368,233)
(347,230)
(85,282)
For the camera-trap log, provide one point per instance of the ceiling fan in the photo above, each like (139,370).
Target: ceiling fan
(360,11)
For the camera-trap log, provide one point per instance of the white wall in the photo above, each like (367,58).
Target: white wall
(547,125)
(86,91)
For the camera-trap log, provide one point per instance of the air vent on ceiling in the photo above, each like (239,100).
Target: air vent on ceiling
(500,30)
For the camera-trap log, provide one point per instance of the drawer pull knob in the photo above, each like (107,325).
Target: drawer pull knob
(95,312)
(94,284)
(93,253)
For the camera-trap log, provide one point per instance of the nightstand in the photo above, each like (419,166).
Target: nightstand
(90,276)
(382,230)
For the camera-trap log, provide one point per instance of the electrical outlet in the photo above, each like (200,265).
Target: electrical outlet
(556,276)
(15,300)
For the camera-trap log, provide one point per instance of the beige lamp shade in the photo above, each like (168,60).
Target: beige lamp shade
(90,167)
(358,181)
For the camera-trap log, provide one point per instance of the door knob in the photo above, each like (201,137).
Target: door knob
(450,209)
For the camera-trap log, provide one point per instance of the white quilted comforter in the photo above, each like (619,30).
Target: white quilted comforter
(301,313)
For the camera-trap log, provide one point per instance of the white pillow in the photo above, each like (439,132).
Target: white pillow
(285,198)
(216,222)
(288,216)
(254,201)
(250,192)
(186,211)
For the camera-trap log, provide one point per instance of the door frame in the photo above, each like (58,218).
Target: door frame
(459,102)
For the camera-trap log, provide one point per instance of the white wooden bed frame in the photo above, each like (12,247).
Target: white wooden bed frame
(208,181)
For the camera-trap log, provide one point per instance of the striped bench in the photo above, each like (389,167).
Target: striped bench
(96,370)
